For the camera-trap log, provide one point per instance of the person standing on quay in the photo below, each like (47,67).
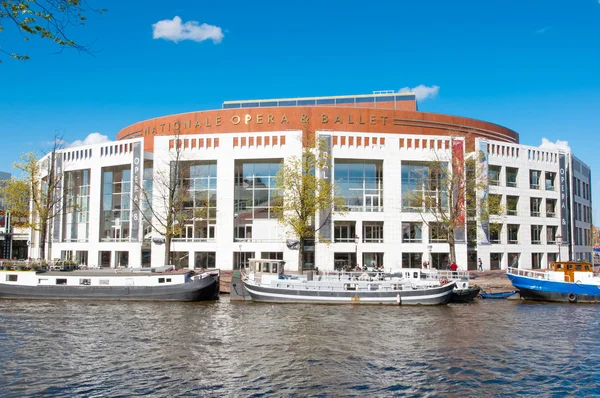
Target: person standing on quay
(479,265)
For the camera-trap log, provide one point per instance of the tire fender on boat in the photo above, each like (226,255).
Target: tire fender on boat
(443,281)
(572,297)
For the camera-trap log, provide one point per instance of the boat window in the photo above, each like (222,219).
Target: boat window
(161,280)
(587,268)
(374,286)
(11,278)
(85,281)
(569,266)
(168,280)
(558,266)
(416,275)
(103,282)
(259,268)
(396,287)
(349,286)
(61,281)
(274,268)
(578,267)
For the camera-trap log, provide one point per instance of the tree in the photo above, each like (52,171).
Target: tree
(44,183)
(447,191)
(16,196)
(165,202)
(303,193)
(45,19)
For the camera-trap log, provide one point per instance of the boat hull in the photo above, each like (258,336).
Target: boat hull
(545,290)
(267,294)
(197,290)
(464,295)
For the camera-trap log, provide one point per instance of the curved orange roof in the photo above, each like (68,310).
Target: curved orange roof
(266,119)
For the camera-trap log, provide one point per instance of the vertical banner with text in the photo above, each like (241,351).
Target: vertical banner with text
(564,197)
(58,174)
(483,234)
(136,173)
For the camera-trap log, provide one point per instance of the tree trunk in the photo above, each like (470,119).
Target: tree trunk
(43,232)
(300,256)
(167,258)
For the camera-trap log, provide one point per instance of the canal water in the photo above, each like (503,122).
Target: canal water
(489,348)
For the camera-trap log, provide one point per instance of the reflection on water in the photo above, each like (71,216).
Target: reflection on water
(245,349)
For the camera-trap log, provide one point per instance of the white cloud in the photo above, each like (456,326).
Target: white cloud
(547,144)
(175,31)
(421,91)
(544,30)
(92,138)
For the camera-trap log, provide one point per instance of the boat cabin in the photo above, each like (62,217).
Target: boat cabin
(573,270)
(265,270)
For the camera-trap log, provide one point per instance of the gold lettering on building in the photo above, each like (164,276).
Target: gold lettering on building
(350,119)
(235,119)
(337,120)
(303,118)
(146,130)
(187,124)
(207,124)
(270,119)
(197,124)
(284,119)
(162,128)
(384,118)
(372,119)
(360,121)
(154,130)
(259,118)
(218,121)
(247,118)
(176,125)
(324,118)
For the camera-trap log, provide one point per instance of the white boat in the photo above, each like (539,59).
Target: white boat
(160,284)
(267,282)
(463,291)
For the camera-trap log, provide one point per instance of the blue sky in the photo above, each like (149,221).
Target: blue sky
(531,66)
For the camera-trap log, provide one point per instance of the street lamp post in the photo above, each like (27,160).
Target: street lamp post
(558,243)
(356,248)
(429,249)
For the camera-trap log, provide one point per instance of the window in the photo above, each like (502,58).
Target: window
(534,179)
(495,260)
(536,234)
(116,203)
(494,204)
(551,234)
(438,233)
(535,206)
(512,205)
(61,281)
(205,260)
(511,176)
(422,185)
(255,190)
(494,175)
(344,231)
(76,203)
(161,280)
(243,233)
(412,232)
(536,260)
(495,233)
(513,234)
(361,183)
(11,278)
(373,232)
(513,260)
(550,207)
(412,260)
(85,281)
(550,177)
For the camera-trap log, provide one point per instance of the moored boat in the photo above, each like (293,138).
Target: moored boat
(164,284)
(266,282)
(497,295)
(463,292)
(565,281)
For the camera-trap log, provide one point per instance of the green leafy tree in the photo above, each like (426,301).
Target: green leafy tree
(448,194)
(16,196)
(303,193)
(45,19)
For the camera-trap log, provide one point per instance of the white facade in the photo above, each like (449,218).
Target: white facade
(230,241)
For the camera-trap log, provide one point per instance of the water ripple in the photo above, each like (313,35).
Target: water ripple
(64,348)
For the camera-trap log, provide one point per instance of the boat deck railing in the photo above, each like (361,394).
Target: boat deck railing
(542,274)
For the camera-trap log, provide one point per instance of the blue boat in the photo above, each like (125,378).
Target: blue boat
(497,295)
(566,281)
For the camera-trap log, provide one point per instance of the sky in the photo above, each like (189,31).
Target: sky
(532,66)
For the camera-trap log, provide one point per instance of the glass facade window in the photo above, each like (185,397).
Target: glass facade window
(550,207)
(344,231)
(271,255)
(412,260)
(205,260)
(513,260)
(534,179)
(536,260)
(494,174)
(199,181)
(373,232)
(513,234)
(361,183)
(550,181)
(495,260)
(439,260)
(421,186)
(536,234)
(241,259)
(437,233)
(116,203)
(551,234)
(255,190)
(535,207)
(495,233)
(412,232)
(512,205)
(76,206)
(511,176)
(372,259)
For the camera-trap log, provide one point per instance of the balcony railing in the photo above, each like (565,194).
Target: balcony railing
(511,212)
(535,213)
(534,186)
(550,214)
(513,241)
